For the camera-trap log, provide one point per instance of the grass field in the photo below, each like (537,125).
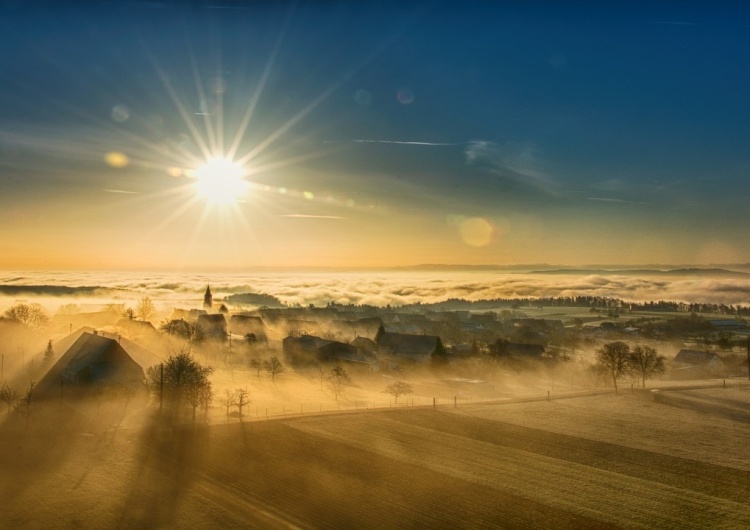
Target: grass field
(628,460)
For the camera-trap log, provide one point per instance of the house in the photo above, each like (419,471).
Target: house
(727,324)
(214,326)
(248,324)
(526,351)
(365,344)
(416,348)
(695,359)
(308,348)
(89,358)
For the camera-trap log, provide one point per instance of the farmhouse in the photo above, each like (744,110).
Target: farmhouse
(526,351)
(708,361)
(214,326)
(417,348)
(247,324)
(90,358)
(308,348)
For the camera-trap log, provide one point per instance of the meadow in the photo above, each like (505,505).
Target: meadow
(668,459)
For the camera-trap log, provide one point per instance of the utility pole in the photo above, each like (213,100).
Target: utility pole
(161,386)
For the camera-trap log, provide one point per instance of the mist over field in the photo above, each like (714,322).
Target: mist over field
(378,288)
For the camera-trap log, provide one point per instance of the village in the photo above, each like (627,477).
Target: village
(461,354)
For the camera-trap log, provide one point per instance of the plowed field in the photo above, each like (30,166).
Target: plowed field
(487,466)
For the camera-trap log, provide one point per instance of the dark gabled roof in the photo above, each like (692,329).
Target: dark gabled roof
(213,318)
(695,357)
(525,350)
(87,347)
(404,344)
(305,342)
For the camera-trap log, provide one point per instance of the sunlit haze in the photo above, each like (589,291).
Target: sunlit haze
(159,136)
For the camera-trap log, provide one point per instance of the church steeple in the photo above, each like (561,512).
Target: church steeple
(208,298)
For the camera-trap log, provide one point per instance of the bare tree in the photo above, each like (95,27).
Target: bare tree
(32,315)
(257,365)
(321,375)
(338,380)
(398,388)
(9,395)
(273,366)
(69,309)
(129,313)
(230,399)
(146,309)
(199,393)
(613,357)
(644,361)
(243,398)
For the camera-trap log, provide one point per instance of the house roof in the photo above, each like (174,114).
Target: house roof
(402,343)
(695,357)
(525,350)
(85,347)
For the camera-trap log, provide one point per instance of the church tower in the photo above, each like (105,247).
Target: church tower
(208,299)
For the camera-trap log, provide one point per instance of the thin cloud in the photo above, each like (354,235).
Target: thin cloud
(120,191)
(516,162)
(307,216)
(609,199)
(397,142)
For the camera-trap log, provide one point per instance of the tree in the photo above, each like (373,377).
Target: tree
(499,348)
(230,399)
(243,398)
(69,309)
(644,361)
(613,357)
(380,333)
(49,353)
(223,309)
(9,395)
(338,380)
(146,309)
(199,393)
(192,332)
(257,365)
(439,355)
(32,315)
(724,342)
(129,313)
(397,389)
(185,380)
(251,339)
(273,366)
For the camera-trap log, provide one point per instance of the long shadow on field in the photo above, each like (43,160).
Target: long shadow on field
(719,481)
(317,482)
(33,451)
(166,457)
(730,409)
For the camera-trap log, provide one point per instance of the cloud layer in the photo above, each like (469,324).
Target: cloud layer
(376,288)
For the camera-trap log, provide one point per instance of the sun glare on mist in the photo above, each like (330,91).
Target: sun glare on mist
(220,181)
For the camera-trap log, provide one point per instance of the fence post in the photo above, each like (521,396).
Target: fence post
(548,398)
(455,402)
(434,403)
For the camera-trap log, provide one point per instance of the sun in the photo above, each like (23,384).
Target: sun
(220,181)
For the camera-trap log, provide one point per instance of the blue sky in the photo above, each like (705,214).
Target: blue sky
(444,132)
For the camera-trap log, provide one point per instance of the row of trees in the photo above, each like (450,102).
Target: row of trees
(618,359)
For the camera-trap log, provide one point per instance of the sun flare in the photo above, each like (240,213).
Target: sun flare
(220,181)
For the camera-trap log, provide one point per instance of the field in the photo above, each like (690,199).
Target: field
(672,459)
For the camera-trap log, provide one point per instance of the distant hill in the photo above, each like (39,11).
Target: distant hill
(710,273)
(258,299)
